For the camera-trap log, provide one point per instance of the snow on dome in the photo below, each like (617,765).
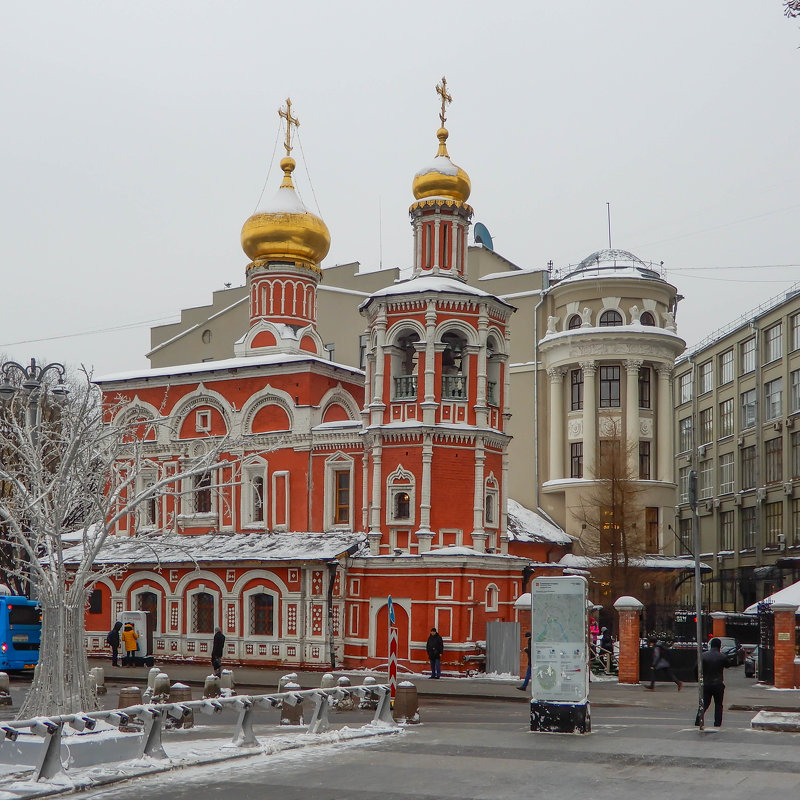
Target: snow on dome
(525,525)
(285,201)
(611,258)
(616,263)
(440,164)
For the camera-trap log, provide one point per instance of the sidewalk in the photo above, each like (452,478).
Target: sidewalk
(740,693)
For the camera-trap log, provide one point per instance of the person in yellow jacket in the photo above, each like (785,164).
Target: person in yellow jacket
(129,637)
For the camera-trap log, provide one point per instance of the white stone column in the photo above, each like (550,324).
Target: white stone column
(377,403)
(632,367)
(425,488)
(557,432)
(664,424)
(429,402)
(589,417)
(377,493)
(481,405)
(504,505)
(478,532)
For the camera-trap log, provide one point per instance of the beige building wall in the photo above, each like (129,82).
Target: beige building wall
(737,423)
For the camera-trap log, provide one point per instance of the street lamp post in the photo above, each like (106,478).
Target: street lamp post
(698,596)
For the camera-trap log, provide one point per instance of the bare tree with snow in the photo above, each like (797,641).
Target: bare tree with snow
(65,466)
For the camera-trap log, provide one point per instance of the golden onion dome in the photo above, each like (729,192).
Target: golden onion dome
(442,178)
(284,229)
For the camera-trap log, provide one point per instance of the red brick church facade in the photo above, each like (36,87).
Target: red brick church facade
(343,487)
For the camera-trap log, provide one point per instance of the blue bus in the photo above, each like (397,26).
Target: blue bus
(20,632)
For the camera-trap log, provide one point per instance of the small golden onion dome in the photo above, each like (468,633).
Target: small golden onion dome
(442,178)
(284,230)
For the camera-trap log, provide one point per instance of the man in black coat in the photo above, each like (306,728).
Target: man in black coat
(216,651)
(435,648)
(112,640)
(714,663)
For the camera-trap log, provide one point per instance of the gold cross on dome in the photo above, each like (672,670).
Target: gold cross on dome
(441,89)
(290,120)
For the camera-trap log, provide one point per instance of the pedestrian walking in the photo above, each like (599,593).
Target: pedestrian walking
(527,652)
(606,649)
(714,663)
(216,651)
(594,631)
(435,648)
(129,637)
(113,641)
(660,663)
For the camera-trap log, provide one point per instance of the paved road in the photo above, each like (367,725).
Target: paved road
(482,749)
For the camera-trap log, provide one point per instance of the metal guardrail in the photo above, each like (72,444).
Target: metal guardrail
(154,715)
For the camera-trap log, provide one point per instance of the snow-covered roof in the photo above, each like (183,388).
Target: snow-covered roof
(271,359)
(789,594)
(642,562)
(222,547)
(525,525)
(610,263)
(428,283)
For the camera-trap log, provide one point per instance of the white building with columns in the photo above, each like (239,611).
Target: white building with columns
(608,347)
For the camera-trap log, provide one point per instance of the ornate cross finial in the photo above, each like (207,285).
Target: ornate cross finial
(441,89)
(290,120)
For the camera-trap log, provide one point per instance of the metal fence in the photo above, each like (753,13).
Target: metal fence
(154,716)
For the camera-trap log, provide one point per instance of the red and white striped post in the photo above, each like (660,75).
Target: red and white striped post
(392,651)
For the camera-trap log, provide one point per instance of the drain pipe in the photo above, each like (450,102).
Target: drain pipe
(536,308)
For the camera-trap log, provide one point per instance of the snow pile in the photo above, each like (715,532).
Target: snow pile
(525,525)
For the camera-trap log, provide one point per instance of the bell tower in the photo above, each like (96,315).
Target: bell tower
(436,385)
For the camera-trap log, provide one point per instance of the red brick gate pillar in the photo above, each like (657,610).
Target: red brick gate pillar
(718,625)
(784,622)
(629,610)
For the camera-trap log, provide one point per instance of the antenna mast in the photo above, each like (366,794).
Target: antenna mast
(608,214)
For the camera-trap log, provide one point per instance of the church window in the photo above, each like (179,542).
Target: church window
(203,421)
(574,322)
(454,383)
(257,498)
(402,505)
(491,503)
(610,319)
(341,514)
(262,614)
(203,612)
(400,496)
(492,372)
(492,597)
(404,365)
(202,493)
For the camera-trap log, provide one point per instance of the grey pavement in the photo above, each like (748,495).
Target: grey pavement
(741,693)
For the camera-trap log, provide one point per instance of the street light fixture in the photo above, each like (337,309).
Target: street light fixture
(32,380)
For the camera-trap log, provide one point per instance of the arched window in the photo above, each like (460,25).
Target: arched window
(610,318)
(489,508)
(492,597)
(647,318)
(257,498)
(493,361)
(574,322)
(454,362)
(404,365)
(203,612)
(402,505)
(262,614)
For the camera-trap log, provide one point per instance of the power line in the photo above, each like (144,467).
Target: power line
(125,326)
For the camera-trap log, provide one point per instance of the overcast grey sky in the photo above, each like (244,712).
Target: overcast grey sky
(136,139)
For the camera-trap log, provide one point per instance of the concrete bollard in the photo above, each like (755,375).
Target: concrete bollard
(160,688)
(97,677)
(226,683)
(5,689)
(406,703)
(151,678)
(180,693)
(211,686)
(291,714)
(328,681)
(290,678)
(369,700)
(129,696)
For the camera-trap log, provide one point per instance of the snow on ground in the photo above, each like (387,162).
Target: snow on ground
(207,754)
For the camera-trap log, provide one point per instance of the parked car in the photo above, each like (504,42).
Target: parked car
(751,663)
(732,650)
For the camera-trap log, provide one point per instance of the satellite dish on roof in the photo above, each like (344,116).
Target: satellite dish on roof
(482,236)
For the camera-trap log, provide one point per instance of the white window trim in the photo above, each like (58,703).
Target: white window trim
(459,534)
(202,420)
(492,597)
(438,613)
(339,462)
(444,589)
(400,481)
(188,514)
(283,526)
(491,489)
(276,614)
(159,593)
(249,473)
(214,592)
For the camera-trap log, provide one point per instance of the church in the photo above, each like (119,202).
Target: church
(343,485)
